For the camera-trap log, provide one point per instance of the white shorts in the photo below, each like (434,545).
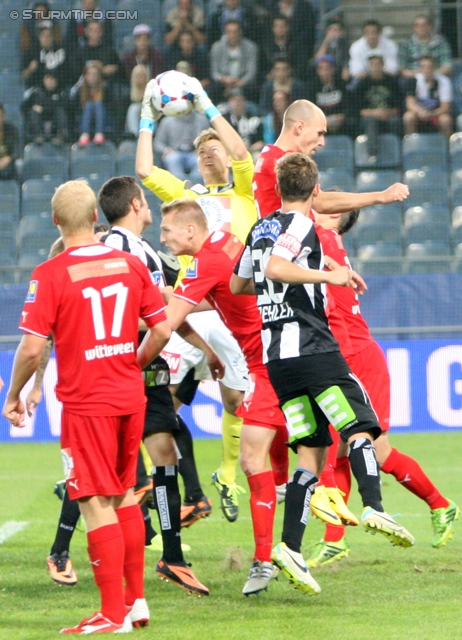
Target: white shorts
(181,356)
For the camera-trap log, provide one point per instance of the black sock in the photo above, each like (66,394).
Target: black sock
(149,531)
(365,469)
(297,507)
(168,503)
(68,518)
(187,464)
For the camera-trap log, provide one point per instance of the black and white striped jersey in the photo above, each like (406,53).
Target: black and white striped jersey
(293,316)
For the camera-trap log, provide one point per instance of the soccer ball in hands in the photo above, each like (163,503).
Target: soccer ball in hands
(170,95)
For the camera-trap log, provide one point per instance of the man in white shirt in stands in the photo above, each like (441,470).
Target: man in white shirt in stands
(372,39)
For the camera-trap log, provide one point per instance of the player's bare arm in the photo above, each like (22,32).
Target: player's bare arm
(153,342)
(281,270)
(26,362)
(34,397)
(177,311)
(144,163)
(341,202)
(242,286)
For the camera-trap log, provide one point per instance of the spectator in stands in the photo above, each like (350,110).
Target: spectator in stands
(30,28)
(95,51)
(335,44)
(174,142)
(282,81)
(233,63)
(378,100)
(9,147)
(278,46)
(231,10)
(371,40)
(44,111)
(429,102)
(90,96)
(185,17)
(272,122)
(329,93)
(76,34)
(302,25)
(243,117)
(45,56)
(138,81)
(185,50)
(424,42)
(143,53)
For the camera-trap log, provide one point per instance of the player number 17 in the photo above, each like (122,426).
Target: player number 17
(121,292)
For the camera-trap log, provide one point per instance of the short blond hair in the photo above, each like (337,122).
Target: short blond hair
(185,211)
(74,205)
(205,136)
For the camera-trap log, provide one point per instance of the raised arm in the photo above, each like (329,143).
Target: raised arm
(341,202)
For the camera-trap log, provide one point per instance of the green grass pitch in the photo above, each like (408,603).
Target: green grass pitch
(378,593)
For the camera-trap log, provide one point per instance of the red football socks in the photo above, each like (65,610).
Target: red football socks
(343,482)
(279,456)
(410,474)
(262,507)
(132,525)
(106,550)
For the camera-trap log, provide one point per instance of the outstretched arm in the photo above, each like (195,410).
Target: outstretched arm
(341,202)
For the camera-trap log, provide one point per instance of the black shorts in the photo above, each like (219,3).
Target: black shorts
(160,413)
(187,388)
(340,400)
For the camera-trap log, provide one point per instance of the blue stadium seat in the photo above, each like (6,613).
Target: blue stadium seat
(37,187)
(37,224)
(456,195)
(8,242)
(108,149)
(46,150)
(427,186)
(127,148)
(9,188)
(7,268)
(455,151)
(38,206)
(374,226)
(456,177)
(428,257)
(376,180)
(126,155)
(46,167)
(425,150)
(381,258)
(458,257)
(422,224)
(389,153)
(337,153)
(98,166)
(389,212)
(336,178)
(9,208)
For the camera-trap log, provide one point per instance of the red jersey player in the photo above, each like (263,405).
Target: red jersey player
(184,230)
(90,298)
(368,362)
(304,127)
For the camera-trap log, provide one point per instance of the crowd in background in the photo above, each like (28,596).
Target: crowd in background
(253,59)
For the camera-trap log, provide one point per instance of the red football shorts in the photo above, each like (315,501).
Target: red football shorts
(260,406)
(100,453)
(370,366)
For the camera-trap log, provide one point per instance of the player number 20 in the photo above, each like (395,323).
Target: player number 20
(121,292)
(270,296)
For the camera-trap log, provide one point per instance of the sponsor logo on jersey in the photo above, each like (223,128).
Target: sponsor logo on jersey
(109,350)
(217,210)
(97,269)
(158,278)
(192,269)
(32,292)
(173,360)
(266,229)
(290,243)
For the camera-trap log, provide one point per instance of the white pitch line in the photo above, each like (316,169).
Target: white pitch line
(9,529)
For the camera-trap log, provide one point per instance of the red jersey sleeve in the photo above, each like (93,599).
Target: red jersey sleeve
(152,303)
(201,277)
(264,181)
(41,303)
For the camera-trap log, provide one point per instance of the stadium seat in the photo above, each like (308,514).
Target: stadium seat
(381,258)
(9,210)
(376,180)
(389,212)
(428,257)
(38,224)
(455,151)
(39,206)
(127,148)
(337,153)
(37,187)
(422,224)
(9,199)
(126,166)
(374,226)
(108,149)
(427,186)
(86,166)
(7,268)
(336,178)
(456,195)
(458,257)
(424,151)
(9,188)
(389,154)
(8,243)
(11,85)
(46,150)
(46,167)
